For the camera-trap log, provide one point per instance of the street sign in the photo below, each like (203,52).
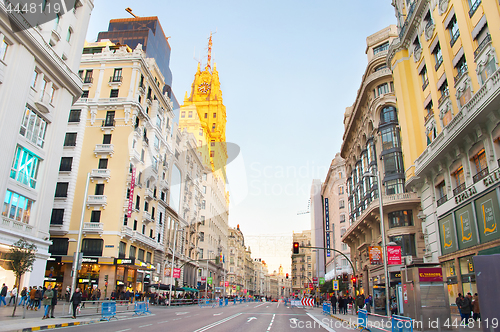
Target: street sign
(209,280)
(311,286)
(203,279)
(335,284)
(321,280)
(315,280)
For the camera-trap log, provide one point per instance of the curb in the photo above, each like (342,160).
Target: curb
(55,326)
(349,321)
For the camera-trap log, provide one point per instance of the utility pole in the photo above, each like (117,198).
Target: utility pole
(172,268)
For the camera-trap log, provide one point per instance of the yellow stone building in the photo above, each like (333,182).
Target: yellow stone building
(203,114)
(446,80)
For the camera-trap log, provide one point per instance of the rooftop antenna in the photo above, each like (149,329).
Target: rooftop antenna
(129,10)
(209,57)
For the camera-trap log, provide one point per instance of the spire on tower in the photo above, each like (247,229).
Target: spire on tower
(209,59)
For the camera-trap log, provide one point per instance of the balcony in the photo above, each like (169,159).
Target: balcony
(480,175)
(104,149)
(108,124)
(97,200)
(146,216)
(444,96)
(163,184)
(100,174)
(142,89)
(461,72)
(93,227)
(482,46)
(115,81)
(149,194)
(459,189)
(426,83)
(438,63)
(17,226)
(43,104)
(442,200)
(454,38)
(429,116)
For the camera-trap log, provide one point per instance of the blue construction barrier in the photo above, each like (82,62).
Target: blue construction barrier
(141,308)
(326,308)
(108,310)
(362,317)
(401,324)
(226,301)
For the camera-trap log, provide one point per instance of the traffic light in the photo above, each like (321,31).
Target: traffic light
(344,277)
(295,248)
(353,279)
(287,275)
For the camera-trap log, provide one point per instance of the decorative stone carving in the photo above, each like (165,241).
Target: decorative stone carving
(429,30)
(417,54)
(443,6)
(93,113)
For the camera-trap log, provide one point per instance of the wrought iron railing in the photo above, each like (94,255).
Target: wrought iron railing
(459,189)
(480,175)
(481,46)
(474,7)
(442,200)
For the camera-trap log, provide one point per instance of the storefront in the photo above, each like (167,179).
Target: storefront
(54,273)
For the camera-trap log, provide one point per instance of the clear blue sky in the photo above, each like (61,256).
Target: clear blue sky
(288,69)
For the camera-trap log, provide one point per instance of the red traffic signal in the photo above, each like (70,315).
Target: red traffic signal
(353,279)
(287,275)
(295,248)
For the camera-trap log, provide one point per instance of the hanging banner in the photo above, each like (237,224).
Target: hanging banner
(327,226)
(131,196)
(375,253)
(321,280)
(177,272)
(226,284)
(209,280)
(393,255)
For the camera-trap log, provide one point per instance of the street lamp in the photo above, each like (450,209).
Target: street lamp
(382,232)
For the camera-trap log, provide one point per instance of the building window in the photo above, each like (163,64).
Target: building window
(381,48)
(388,114)
(453,30)
(458,175)
(62,189)
(3,49)
(481,165)
(17,207)
(183,114)
(103,163)
(438,56)
(121,249)
(57,217)
(202,219)
(341,204)
(70,139)
(406,242)
(114,93)
(74,115)
(400,218)
(92,247)
(190,114)
(203,203)
(390,138)
(488,70)
(461,67)
(25,167)
(393,163)
(341,190)
(135,225)
(88,78)
(342,231)
(99,189)
(131,251)
(425,79)
(473,5)
(106,139)
(148,257)
(33,127)
(59,246)
(117,75)
(431,133)
(66,164)
(394,187)
(140,256)
(95,216)
(441,193)
(85,94)
(213,127)
(344,247)
(202,236)
(342,218)
(383,89)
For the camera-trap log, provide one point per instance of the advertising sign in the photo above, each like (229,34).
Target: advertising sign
(321,280)
(327,226)
(226,284)
(428,274)
(466,227)
(487,211)
(393,255)
(375,253)
(166,272)
(203,279)
(447,234)
(244,291)
(177,272)
(405,294)
(237,288)
(335,285)
(311,286)
(315,280)
(131,196)
(209,280)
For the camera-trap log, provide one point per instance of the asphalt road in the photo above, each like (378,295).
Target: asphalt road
(254,316)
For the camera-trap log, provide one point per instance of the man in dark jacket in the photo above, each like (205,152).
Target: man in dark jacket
(333,300)
(3,294)
(76,299)
(54,302)
(465,308)
(341,305)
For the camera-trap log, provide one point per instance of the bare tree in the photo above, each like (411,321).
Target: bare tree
(22,258)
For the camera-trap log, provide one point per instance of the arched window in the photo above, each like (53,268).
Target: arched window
(388,114)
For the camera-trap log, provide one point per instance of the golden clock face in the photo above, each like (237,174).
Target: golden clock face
(204,87)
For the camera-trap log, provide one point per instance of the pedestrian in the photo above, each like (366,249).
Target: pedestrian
(465,308)
(13,295)
(47,300)
(469,296)
(3,294)
(85,296)
(341,305)
(475,308)
(38,296)
(54,302)
(333,300)
(32,297)
(368,303)
(76,299)
(24,295)
(458,302)
(346,303)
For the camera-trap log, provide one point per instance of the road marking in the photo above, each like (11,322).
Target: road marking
(123,330)
(145,325)
(204,328)
(165,321)
(258,305)
(321,323)
(271,324)
(278,305)
(181,313)
(251,318)
(220,313)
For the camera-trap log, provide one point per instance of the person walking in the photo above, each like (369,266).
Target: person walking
(333,300)
(54,302)
(13,295)
(458,302)
(346,303)
(32,294)
(368,303)
(47,300)
(341,305)
(465,308)
(475,308)
(3,294)
(24,296)
(76,299)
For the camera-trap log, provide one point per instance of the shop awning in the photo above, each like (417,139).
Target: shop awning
(165,287)
(189,289)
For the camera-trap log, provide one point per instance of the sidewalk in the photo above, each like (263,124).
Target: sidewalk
(34,321)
